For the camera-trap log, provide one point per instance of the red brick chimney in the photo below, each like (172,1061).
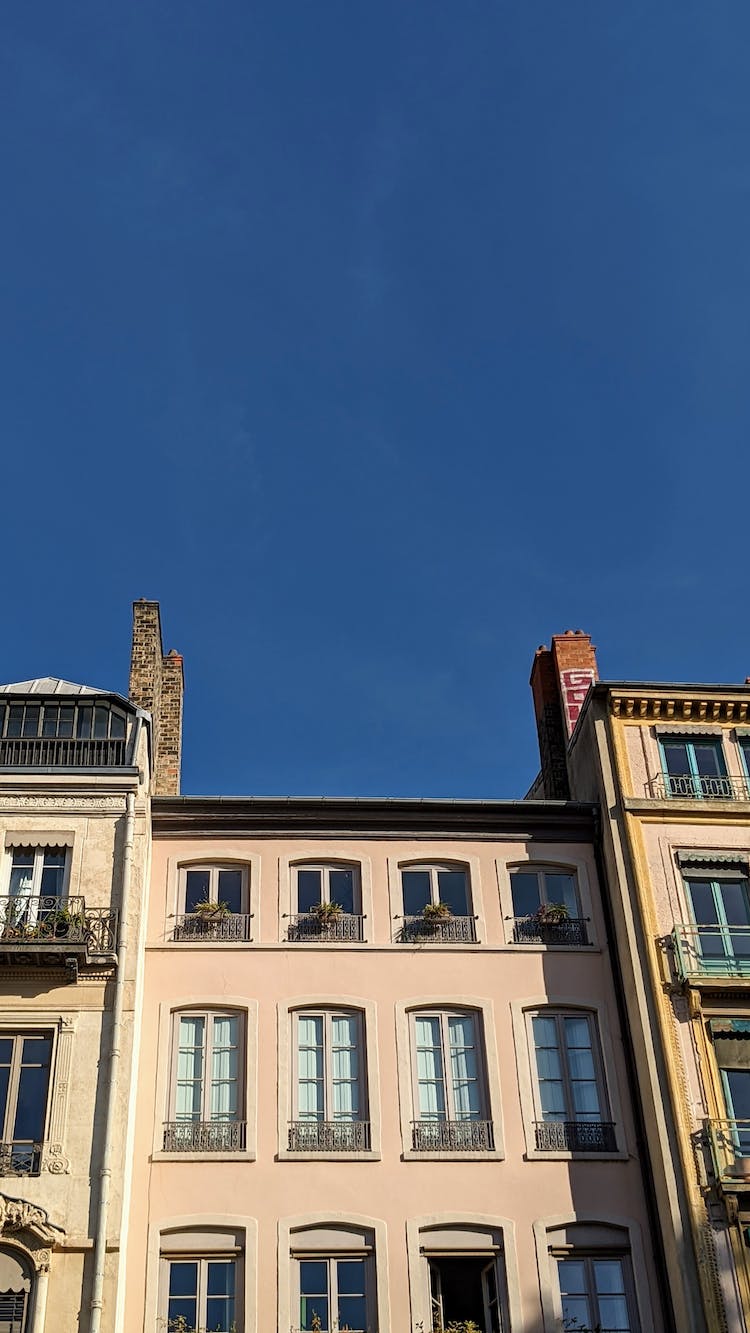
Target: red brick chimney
(156,684)
(560,678)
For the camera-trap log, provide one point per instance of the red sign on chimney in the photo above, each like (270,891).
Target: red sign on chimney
(574,685)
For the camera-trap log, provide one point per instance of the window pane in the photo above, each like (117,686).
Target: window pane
(189,1090)
(32,1103)
(676,758)
(313,1286)
(353,1313)
(101,723)
(561,888)
(65,725)
(415,885)
(703,902)
(608,1276)
(430,1068)
(613,1314)
(452,890)
(196,888)
(31,720)
(308,890)
(15,720)
(50,719)
(183,1279)
(341,888)
(230,889)
(709,759)
(351,1277)
(4,1080)
(310,1085)
(117,726)
(225,1068)
(734,897)
(525,890)
(83,723)
(21,873)
(53,872)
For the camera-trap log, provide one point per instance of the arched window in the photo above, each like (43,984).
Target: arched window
(333,1278)
(594,1277)
(326,903)
(15,1291)
(329,1094)
(436,900)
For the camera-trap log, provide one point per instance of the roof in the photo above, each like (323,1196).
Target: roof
(48,685)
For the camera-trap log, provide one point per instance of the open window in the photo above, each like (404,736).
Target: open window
(464,1270)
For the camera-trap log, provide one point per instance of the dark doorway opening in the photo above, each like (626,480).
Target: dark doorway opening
(465,1287)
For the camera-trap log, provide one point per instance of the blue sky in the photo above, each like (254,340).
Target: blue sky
(378,342)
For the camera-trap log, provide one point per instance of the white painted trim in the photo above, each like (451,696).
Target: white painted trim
(550,1292)
(485,1008)
(419,1279)
(199,1221)
(249,1010)
(374,1224)
(368,1009)
(526,1074)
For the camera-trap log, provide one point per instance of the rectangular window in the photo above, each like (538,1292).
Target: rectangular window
(25,1061)
(207,1086)
(569,1092)
(695,768)
(594,1293)
(215,884)
(449,1084)
(333,1294)
(721,912)
(202,1295)
(37,871)
(330,1112)
(426,886)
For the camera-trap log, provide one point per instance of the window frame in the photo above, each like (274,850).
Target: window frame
(209,1016)
(540,871)
(325,868)
(214,868)
(434,868)
(697,794)
(76,703)
(444,1015)
(327,1014)
(39,849)
(559,1014)
(17,1035)
(558,861)
(588,1255)
(365,1256)
(477,1004)
(203,1257)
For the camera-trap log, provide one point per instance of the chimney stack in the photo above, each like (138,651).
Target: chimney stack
(560,679)
(157,685)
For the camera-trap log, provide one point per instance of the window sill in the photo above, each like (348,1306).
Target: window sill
(203,1156)
(494,1155)
(531,1155)
(552,948)
(284,1155)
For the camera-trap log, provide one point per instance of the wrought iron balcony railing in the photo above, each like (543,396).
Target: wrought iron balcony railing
(47,924)
(452,1136)
(729,1142)
(686,786)
(438,930)
(308,928)
(704,953)
(574,1136)
(570,932)
(60,752)
(205,1136)
(329,1136)
(20,1158)
(197,926)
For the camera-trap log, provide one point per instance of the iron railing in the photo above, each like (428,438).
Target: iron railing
(570,932)
(205,1135)
(308,927)
(60,752)
(329,1136)
(446,930)
(689,787)
(574,1136)
(20,1158)
(452,1136)
(44,921)
(705,952)
(194,926)
(729,1141)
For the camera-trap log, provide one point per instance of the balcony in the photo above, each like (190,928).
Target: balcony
(20,1158)
(221,1136)
(687,787)
(41,931)
(327,1136)
(710,953)
(200,928)
(310,928)
(452,1136)
(569,933)
(574,1136)
(60,752)
(438,930)
(729,1142)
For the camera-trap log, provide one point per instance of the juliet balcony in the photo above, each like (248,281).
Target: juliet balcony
(711,953)
(689,787)
(569,932)
(49,931)
(204,1136)
(326,1136)
(729,1143)
(326,928)
(575,1136)
(438,929)
(452,1136)
(212,928)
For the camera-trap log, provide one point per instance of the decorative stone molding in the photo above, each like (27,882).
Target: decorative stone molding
(55,1161)
(30,1227)
(696,708)
(86,804)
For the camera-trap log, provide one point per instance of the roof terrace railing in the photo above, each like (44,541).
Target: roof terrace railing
(60,752)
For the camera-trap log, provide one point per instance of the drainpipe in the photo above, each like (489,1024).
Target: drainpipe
(105,1172)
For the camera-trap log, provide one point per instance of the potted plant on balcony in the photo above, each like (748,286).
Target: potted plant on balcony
(64,922)
(435,915)
(326,913)
(551,914)
(212,911)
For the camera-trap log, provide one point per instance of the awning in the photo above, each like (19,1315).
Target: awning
(730,1027)
(706,856)
(696,729)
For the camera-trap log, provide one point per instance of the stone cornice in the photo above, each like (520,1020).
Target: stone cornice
(678,707)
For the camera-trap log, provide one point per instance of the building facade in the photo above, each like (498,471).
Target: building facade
(668,766)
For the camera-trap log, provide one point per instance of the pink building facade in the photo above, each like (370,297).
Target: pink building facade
(385,1087)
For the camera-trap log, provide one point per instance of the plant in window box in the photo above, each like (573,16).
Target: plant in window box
(434,914)
(326,913)
(551,914)
(208,910)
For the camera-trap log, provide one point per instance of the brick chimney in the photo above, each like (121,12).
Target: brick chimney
(560,678)
(156,684)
